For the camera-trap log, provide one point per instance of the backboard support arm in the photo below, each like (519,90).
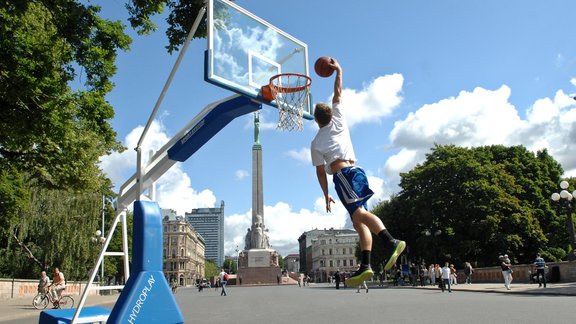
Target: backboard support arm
(121,215)
(138,148)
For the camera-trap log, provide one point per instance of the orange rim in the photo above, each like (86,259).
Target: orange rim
(267,93)
(277,89)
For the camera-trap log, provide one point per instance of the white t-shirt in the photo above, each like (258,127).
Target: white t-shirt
(446,272)
(332,142)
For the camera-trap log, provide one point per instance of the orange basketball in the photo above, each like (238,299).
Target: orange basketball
(322,67)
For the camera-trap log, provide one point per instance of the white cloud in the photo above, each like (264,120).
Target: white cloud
(552,126)
(377,185)
(235,228)
(403,161)
(302,155)
(480,117)
(119,166)
(241,174)
(284,224)
(174,191)
(377,100)
(484,117)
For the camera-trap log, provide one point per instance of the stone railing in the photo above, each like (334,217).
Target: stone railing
(557,271)
(17,288)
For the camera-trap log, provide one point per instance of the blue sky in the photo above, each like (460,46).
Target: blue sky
(416,73)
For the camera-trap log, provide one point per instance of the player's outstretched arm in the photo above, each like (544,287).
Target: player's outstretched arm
(337,81)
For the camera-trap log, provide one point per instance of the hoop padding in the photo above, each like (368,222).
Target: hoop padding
(291,92)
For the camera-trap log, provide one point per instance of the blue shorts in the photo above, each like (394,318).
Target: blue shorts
(352,188)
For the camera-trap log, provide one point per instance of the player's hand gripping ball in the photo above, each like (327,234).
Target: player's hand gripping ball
(322,66)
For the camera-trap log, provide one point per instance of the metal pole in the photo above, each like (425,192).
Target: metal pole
(94,270)
(138,148)
(174,69)
(572,254)
(103,235)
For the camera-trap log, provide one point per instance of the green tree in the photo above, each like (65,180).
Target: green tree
(180,19)
(57,58)
(281,262)
(230,265)
(485,201)
(210,269)
(56,63)
(54,231)
(48,129)
(13,199)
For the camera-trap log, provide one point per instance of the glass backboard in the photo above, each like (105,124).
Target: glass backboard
(244,51)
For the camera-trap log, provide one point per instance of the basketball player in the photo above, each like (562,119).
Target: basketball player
(332,153)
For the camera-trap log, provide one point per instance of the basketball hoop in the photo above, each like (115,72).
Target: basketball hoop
(290,90)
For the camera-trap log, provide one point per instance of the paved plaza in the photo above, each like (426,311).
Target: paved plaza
(320,303)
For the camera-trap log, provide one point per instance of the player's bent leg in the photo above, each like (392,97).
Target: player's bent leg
(370,220)
(363,233)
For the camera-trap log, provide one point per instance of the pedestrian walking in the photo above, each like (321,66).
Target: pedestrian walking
(446,277)
(540,265)
(506,270)
(432,274)
(424,277)
(468,271)
(413,274)
(438,272)
(223,281)
(453,275)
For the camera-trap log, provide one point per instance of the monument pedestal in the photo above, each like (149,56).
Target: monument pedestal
(259,267)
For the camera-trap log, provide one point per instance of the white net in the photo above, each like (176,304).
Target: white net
(291,94)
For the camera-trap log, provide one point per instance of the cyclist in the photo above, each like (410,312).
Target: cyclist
(58,284)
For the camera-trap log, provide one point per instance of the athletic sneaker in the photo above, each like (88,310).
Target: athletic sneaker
(359,276)
(398,247)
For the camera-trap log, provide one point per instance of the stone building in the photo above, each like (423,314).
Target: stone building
(292,262)
(183,252)
(328,251)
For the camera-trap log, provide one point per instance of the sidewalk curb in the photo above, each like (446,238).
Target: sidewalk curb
(568,289)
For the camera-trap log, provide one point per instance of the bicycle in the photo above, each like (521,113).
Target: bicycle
(43,299)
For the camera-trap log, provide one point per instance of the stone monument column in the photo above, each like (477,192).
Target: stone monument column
(257,188)
(258,264)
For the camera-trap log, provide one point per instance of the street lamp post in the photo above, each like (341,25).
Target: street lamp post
(99,235)
(237,265)
(433,234)
(565,200)
(99,239)
(237,259)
